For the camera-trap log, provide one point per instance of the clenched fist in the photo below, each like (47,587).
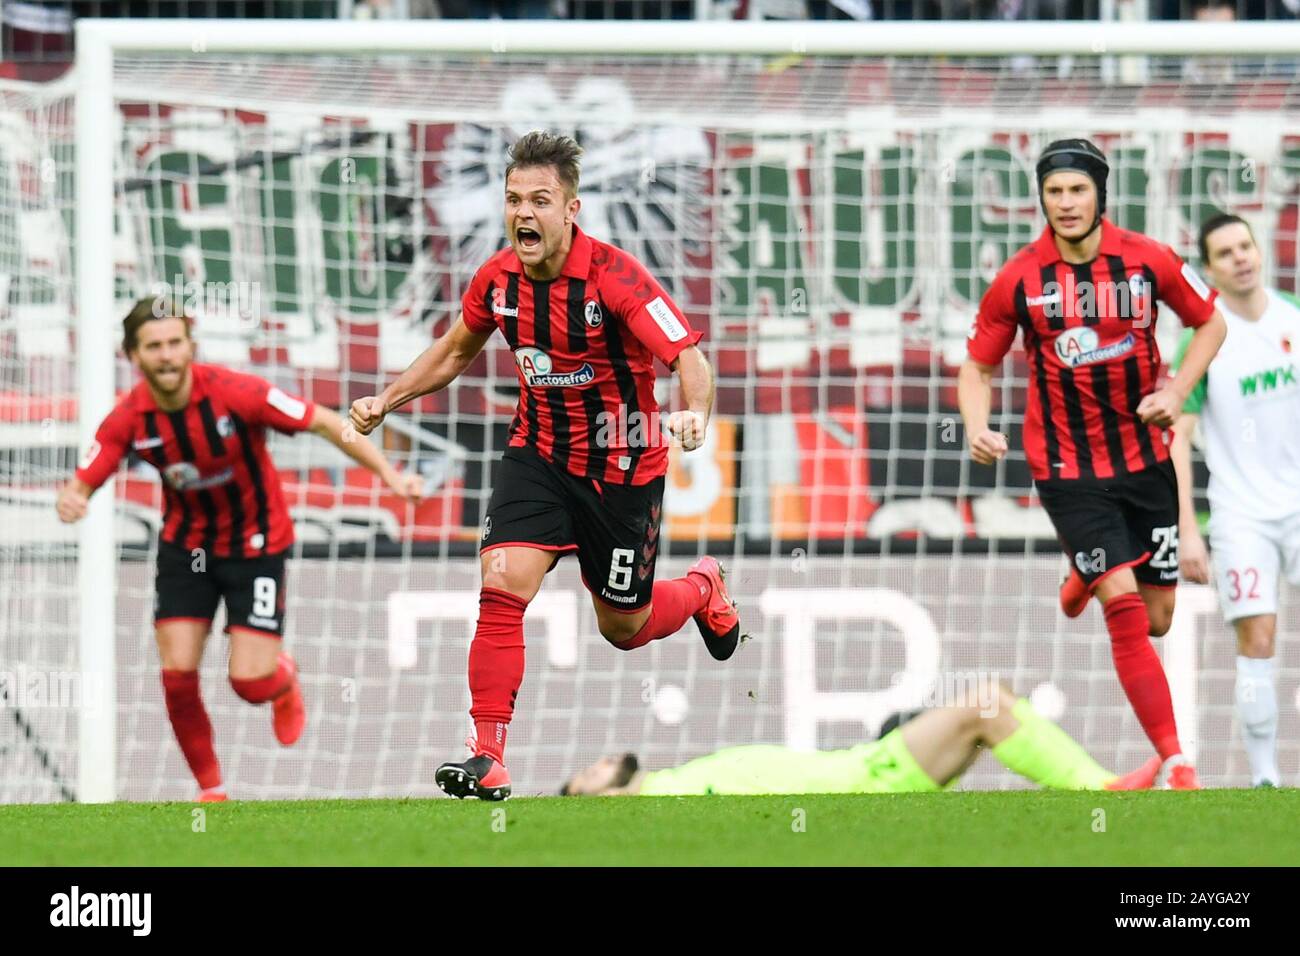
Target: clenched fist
(688,428)
(409,485)
(71,503)
(367,413)
(1160,408)
(987,446)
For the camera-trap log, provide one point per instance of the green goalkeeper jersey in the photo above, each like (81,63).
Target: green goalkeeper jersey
(882,766)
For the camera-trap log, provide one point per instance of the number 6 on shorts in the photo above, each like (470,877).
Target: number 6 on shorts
(620,569)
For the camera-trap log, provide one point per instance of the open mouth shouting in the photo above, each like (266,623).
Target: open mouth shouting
(529,239)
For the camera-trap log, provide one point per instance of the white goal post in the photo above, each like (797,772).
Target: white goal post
(100,44)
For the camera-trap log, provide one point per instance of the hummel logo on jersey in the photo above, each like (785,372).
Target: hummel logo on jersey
(143,443)
(1043,299)
(1268,380)
(1081,346)
(592,315)
(538,370)
(499,304)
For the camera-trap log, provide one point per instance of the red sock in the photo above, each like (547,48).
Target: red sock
(1140,672)
(259,690)
(671,603)
(190,722)
(496,668)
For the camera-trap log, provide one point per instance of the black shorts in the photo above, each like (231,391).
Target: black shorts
(1110,523)
(253,589)
(614,528)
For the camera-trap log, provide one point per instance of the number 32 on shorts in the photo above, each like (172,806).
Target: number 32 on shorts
(1247,576)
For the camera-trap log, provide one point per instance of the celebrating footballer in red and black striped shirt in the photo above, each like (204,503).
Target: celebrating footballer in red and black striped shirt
(225,525)
(584,470)
(1084,298)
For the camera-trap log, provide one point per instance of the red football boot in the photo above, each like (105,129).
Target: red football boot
(480,776)
(1074,594)
(1182,777)
(719,623)
(1143,778)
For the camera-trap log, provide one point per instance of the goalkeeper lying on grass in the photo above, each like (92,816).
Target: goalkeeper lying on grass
(926,753)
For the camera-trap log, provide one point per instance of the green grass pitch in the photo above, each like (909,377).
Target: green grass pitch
(1223,827)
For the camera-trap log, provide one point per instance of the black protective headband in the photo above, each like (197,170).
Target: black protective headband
(1079,156)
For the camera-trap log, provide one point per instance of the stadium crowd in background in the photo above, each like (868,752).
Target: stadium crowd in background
(43,31)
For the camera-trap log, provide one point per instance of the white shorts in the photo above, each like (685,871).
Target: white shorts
(1249,555)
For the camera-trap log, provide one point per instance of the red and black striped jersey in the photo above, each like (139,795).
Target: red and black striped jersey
(220,488)
(1089,338)
(584,346)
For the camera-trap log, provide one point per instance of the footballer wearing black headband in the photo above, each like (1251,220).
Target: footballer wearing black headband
(1084,294)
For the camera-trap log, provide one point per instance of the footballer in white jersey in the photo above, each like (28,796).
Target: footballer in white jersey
(1248,407)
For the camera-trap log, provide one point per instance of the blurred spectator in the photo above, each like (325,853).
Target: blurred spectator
(780,10)
(843,10)
(1214,11)
(1008,10)
(33,31)
(1242,9)
(629,9)
(1210,69)
(1268,9)
(496,9)
(36,32)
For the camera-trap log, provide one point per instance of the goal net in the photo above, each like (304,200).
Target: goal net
(830,222)
(40,684)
